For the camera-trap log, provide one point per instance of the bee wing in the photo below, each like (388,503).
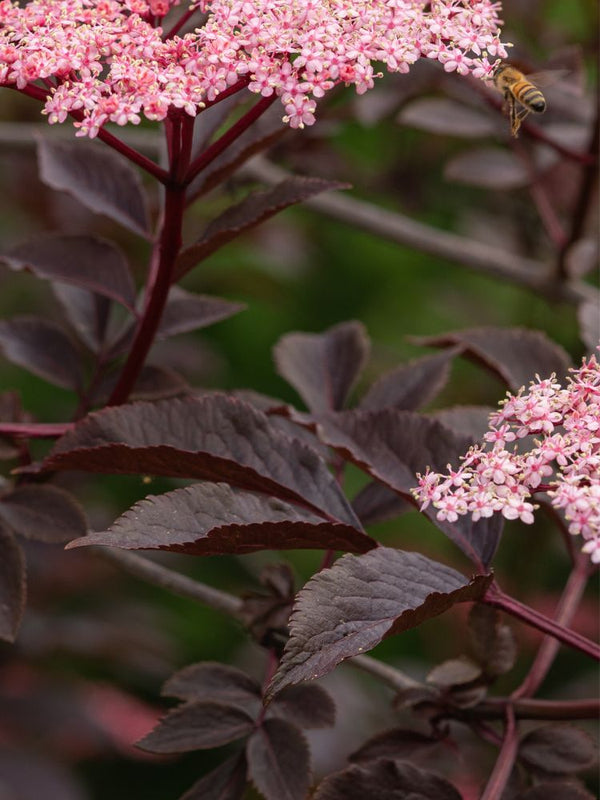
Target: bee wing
(547,77)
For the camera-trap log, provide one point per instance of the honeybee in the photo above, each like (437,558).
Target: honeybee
(521,96)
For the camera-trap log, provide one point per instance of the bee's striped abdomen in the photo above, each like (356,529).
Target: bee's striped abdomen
(529,96)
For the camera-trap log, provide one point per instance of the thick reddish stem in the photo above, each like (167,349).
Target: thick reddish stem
(494,597)
(157,293)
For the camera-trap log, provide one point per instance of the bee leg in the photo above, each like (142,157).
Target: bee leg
(517,119)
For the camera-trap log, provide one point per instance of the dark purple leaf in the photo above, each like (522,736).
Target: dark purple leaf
(323,367)
(261,135)
(199,725)
(557,790)
(307,706)
(87,313)
(488,168)
(12,585)
(265,613)
(377,503)
(226,782)
(42,348)
(279,761)
(588,317)
(395,744)
(393,446)
(44,513)
(468,421)
(153,383)
(211,680)
(558,749)
(491,642)
(411,385)
(88,262)
(97,177)
(253,210)
(385,779)
(214,519)
(448,118)
(186,312)
(213,438)
(454,672)
(514,354)
(350,608)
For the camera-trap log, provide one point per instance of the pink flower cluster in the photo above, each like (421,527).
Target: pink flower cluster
(563,459)
(110,60)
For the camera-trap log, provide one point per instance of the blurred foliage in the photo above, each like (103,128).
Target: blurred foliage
(299,271)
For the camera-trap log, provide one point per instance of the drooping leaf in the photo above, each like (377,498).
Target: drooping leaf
(377,503)
(12,585)
(199,725)
(348,609)
(448,118)
(558,749)
(393,446)
(491,641)
(213,438)
(214,519)
(514,354)
(323,367)
(43,348)
(307,706)
(557,790)
(43,513)
(253,210)
(186,312)
(211,680)
(88,262)
(468,421)
(488,168)
(226,782)
(97,177)
(588,317)
(385,779)
(395,744)
(279,761)
(87,313)
(410,386)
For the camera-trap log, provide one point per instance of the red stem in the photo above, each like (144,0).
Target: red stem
(31,430)
(156,296)
(236,130)
(504,764)
(549,647)
(179,24)
(496,598)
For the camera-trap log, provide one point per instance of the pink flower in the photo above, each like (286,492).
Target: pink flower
(297,49)
(567,452)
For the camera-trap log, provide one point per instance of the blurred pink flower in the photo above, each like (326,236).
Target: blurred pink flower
(564,461)
(110,60)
